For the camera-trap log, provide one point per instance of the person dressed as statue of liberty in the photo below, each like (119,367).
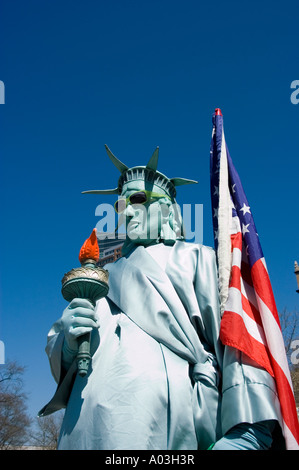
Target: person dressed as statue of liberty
(160,379)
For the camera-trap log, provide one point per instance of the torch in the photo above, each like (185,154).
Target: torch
(87,282)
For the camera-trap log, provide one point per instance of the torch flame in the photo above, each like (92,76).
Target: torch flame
(90,248)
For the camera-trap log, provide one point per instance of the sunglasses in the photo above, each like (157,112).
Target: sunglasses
(140,197)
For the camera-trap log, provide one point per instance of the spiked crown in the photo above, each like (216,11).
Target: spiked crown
(146,173)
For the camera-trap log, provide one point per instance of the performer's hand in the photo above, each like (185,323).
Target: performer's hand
(78,319)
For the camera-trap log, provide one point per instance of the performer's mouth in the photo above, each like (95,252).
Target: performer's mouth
(133,224)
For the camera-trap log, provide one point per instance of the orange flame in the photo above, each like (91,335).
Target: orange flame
(90,248)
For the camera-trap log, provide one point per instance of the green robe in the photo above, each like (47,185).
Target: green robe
(160,378)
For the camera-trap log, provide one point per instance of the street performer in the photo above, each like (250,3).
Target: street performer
(160,377)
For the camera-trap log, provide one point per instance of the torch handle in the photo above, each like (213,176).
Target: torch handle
(83,356)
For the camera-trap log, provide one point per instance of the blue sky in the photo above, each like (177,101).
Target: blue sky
(134,75)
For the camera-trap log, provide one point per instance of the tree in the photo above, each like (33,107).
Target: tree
(47,431)
(14,421)
(289,322)
(295,380)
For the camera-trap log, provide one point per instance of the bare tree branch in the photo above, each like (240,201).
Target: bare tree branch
(14,421)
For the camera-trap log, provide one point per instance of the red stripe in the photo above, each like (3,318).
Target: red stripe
(251,311)
(286,396)
(233,333)
(248,307)
(246,273)
(235,280)
(287,400)
(263,287)
(236,240)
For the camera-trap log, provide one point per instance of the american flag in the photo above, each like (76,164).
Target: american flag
(250,320)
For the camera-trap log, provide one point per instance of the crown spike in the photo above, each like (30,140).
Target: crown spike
(101,191)
(119,165)
(182,181)
(153,163)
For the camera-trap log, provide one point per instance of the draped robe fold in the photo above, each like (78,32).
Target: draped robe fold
(160,378)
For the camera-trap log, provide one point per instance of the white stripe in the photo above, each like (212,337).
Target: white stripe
(236,257)
(247,290)
(234,304)
(235,223)
(269,335)
(249,293)
(264,263)
(290,440)
(274,337)
(224,230)
(276,343)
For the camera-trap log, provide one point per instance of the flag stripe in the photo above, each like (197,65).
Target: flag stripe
(248,296)
(245,286)
(263,287)
(287,400)
(274,339)
(234,333)
(246,273)
(236,240)
(249,293)
(250,320)
(238,283)
(251,311)
(234,305)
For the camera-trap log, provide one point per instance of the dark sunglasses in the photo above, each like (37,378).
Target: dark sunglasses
(140,197)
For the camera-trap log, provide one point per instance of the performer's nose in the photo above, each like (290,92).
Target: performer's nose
(129,211)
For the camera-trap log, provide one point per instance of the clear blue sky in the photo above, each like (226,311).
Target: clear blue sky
(134,75)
